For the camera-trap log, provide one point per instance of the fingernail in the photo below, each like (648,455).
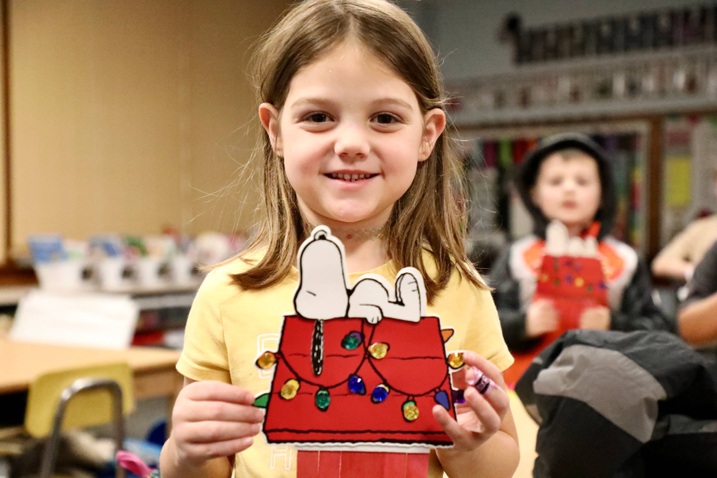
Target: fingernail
(479,380)
(472,375)
(483,384)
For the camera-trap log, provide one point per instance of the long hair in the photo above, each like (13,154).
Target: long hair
(431,214)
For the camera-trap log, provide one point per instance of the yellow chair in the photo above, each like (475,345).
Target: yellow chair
(77,398)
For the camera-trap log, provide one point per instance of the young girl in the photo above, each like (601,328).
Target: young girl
(351,107)
(567,178)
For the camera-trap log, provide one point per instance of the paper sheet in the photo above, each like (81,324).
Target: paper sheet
(84,319)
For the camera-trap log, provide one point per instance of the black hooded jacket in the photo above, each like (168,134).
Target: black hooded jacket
(634,308)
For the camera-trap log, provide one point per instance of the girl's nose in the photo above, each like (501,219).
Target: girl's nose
(351,142)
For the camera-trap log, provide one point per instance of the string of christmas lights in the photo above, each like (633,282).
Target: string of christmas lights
(373,352)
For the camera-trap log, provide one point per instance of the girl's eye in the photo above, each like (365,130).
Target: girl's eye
(317,117)
(385,118)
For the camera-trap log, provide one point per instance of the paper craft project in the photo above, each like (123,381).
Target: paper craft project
(573,284)
(570,276)
(357,368)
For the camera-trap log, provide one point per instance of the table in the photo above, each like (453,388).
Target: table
(154,372)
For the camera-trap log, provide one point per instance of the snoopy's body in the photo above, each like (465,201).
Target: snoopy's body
(323,292)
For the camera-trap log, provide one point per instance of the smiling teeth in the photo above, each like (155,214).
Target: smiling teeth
(349,177)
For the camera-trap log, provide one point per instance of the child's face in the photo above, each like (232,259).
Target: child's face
(351,134)
(568,190)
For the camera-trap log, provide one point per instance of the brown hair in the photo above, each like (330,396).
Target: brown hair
(431,214)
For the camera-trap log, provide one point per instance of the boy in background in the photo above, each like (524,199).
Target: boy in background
(567,178)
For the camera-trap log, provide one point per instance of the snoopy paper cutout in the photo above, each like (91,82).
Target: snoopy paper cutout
(357,368)
(571,277)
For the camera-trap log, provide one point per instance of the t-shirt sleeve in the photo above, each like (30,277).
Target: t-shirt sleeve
(204,355)
(484,334)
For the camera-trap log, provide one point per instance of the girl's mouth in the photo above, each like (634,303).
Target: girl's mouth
(350,177)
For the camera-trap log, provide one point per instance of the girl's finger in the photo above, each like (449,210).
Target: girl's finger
(484,365)
(207,390)
(208,432)
(489,417)
(207,451)
(459,435)
(223,411)
(487,388)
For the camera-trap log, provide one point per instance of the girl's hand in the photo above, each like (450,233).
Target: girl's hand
(541,318)
(595,318)
(213,419)
(481,415)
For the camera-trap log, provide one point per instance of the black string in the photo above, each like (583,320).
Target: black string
(317,347)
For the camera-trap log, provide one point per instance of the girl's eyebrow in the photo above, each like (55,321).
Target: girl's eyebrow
(308,101)
(393,101)
(385,101)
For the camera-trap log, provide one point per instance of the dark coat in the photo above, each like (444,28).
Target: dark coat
(612,404)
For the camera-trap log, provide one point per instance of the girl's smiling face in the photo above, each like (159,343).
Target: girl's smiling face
(351,134)
(568,190)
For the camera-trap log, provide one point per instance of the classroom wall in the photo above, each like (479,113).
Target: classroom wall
(128,115)
(3,149)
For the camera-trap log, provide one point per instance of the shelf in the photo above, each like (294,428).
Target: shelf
(603,87)
(615,109)
(163,295)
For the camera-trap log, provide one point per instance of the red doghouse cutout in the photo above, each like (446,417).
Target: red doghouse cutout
(572,284)
(377,385)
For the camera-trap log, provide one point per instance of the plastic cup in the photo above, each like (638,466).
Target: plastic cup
(180,270)
(61,275)
(109,272)
(146,272)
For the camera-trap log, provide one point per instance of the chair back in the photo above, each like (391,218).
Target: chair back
(75,398)
(90,408)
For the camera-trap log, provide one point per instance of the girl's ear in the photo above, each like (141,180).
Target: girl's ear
(434,122)
(269,117)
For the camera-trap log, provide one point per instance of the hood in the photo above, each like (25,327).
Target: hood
(528,172)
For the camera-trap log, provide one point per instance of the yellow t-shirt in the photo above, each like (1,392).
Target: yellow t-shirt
(228,328)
